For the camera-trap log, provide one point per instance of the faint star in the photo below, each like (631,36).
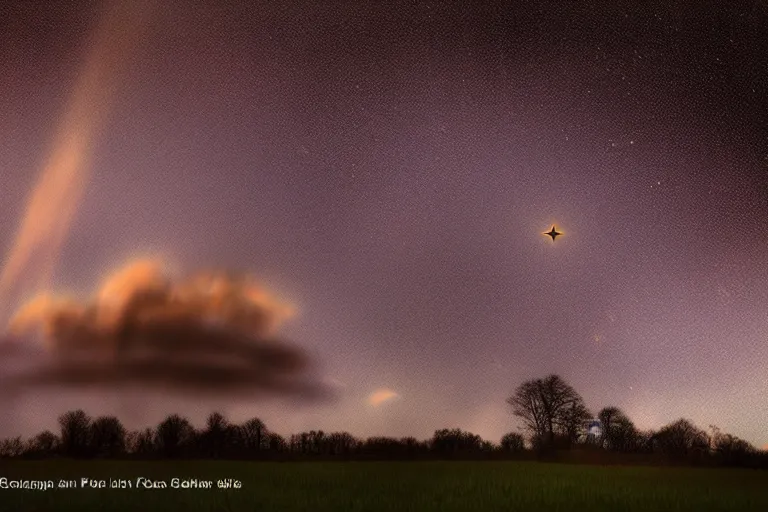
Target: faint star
(553,233)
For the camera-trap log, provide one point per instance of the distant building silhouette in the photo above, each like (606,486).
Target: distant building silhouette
(592,431)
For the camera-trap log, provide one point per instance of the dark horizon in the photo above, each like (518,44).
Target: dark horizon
(576,438)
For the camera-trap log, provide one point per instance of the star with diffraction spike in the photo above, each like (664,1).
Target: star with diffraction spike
(553,233)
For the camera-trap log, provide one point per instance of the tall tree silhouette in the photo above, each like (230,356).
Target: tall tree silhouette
(316,440)
(547,406)
(341,443)
(218,438)
(108,437)
(254,436)
(297,443)
(455,441)
(608,416)
(75,433)
(141,443)
(730,450)
(645,441)
(173,435)
(512,442)
(45,444)
(682,439)
(619,433)
(571,420)
(276,444)
(412,447)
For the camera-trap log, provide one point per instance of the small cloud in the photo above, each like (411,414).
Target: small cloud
(380,396)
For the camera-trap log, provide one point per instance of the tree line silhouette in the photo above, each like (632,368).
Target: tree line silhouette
(553,414)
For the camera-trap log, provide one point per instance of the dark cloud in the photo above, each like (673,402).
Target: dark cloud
(207,334)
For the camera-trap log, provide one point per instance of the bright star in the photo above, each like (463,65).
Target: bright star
(553,233)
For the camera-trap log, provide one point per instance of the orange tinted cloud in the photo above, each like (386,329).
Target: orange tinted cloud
(206,332)
(380,396)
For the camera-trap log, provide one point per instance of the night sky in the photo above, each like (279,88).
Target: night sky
(389,170)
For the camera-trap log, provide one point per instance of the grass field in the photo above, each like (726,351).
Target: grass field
(378,486)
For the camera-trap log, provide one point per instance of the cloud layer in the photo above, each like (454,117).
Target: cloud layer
(210,332)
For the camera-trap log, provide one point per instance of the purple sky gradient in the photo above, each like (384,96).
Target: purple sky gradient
(390,171)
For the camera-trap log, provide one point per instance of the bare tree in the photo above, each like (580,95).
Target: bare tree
(570,422)
(317,441)
(217,437)
(276,443)
(512,442)
(75,433)
(413,447)
(173,435)
(547,407)
(455,441)
(645,440)
(619,433)
(254,436)
(44,444)
(681,439)
(341,443)
(141,443)
(730,450)
(108,437)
